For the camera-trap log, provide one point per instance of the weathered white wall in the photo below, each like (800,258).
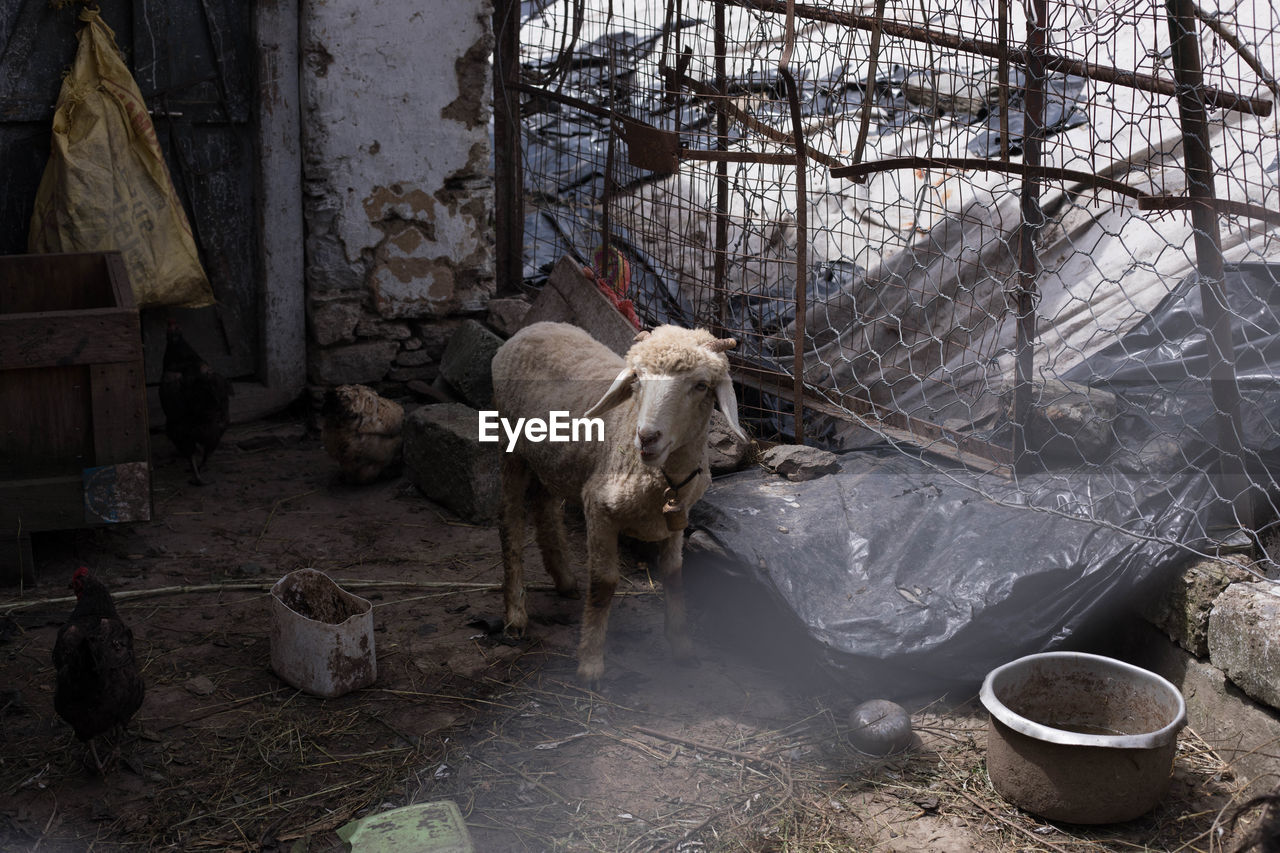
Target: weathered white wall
(397,183)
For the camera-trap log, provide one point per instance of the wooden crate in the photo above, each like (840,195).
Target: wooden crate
(74,447)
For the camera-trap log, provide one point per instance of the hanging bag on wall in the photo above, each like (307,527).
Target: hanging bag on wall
(106,186)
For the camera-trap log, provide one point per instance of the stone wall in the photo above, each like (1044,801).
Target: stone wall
(398,189)
(1223,622)
(1219,612)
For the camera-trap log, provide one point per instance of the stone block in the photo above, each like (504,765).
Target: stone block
(424,373)
(370,328)
(725,451)
(798,462)
(507,315)
(329,273)
(1242,732)
(1182,609)
(1243,630)
(435,335)
(355,364)
(334,321)
(447,462)
(1067,422)
(467,363)
(414,358)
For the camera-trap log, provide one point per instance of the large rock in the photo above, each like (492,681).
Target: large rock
(506,315)
(447,462)
(1182,610)
(1243,733)
(354,364)
(1067,421)
(725,451)
(467,363)
(334,321)
(1244,639)
(798,462)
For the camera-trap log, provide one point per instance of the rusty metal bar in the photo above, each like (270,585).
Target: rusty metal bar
(608,186)
(973,453)
(1212,96)
(1185,45)
(508,181)
(761,157)
(1218,205)
(1031,221)
(1213,22)
(1002,72)
(561,98)
(720,260)
(1037,172)
(748,121)
(869,91)
(802,220)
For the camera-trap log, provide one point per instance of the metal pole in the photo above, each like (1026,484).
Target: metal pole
(721,258)
(802,220)
(802,250)
(1032,218)
(1187,69)
(508,183)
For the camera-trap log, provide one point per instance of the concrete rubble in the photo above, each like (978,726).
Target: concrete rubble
(446,461)
(798,462)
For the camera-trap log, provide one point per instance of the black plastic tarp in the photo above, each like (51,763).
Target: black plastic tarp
(915,574)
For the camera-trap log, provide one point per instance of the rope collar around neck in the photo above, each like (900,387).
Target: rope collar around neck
(686,481)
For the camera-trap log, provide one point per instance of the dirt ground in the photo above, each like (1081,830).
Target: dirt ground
(739,753)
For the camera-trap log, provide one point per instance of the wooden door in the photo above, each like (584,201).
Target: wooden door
(193,61)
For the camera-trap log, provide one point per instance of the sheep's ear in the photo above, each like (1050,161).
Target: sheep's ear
(619,391)
(728,402)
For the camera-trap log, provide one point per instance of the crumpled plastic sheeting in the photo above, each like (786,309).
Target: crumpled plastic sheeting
(1064,108)
(899,574)
(916,576)
(1160,367)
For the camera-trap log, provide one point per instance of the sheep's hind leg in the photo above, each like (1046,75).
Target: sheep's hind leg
(515,488)
(671,566)
(548,520)
(602,579)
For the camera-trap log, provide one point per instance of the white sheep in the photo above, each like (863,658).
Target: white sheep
(639,481)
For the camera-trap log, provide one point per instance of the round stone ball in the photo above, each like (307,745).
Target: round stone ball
(880,727)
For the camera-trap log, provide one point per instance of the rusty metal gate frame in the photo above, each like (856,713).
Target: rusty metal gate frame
(660,150)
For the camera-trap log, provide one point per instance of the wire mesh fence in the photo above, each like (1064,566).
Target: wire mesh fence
(1031,244)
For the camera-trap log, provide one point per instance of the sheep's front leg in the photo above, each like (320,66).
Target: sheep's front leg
(602,579)
(671,565)
(515,487)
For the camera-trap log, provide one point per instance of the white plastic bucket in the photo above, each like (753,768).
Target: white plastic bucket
(321,635)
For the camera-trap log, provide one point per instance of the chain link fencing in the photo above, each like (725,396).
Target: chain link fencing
(1033,245)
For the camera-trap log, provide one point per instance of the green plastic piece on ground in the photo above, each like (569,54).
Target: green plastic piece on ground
(421,828)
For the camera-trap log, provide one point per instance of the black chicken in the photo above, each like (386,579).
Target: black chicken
(99,686)
(196,400)
(1265,837)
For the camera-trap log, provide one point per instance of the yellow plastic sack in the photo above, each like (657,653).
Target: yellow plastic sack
(106,186)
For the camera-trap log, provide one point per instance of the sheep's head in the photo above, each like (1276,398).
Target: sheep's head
(675,375)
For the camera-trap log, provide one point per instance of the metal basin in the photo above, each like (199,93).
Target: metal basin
(1081,738)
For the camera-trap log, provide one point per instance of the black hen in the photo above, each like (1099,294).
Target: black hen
(99,686)
(1265,837)
(196,400)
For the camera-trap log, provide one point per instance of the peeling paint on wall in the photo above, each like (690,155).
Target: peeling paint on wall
(470,107)
(398,183)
